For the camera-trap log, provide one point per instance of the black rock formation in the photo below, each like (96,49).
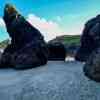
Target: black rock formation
(90,39)
(92,66)
(28,48)
(57,51)
(90,49)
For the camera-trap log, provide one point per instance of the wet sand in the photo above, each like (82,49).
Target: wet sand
(57,80)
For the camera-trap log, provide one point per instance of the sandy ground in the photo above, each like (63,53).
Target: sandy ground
(57,80)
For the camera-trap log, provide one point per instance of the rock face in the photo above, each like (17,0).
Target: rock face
(57,51)
(54,81)
(27,48)
(92,66)
(90,49)
(90,39)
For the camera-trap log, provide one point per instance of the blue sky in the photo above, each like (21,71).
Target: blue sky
(61,16)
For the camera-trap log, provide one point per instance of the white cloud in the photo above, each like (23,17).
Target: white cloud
(49,29)
(2,24)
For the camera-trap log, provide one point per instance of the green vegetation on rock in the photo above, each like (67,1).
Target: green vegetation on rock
(68,39)
(72,39)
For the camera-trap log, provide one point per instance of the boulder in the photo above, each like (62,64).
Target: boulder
(57,51)
(27,48)
(90,39)
(89,50)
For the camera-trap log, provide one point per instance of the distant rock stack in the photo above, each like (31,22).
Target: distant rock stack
(28,48)
(57,51)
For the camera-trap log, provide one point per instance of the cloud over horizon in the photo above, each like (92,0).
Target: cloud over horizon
(49,29)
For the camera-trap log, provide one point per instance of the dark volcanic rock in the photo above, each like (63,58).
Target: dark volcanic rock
(90,49)
(90,39)
(27,48)
(92,66)
(57,51)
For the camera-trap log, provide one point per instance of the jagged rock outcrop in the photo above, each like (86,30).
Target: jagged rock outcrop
(90,49)
(28,48)
(90,39)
